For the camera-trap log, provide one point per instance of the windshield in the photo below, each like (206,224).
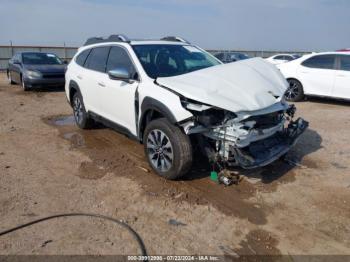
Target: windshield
(40,59)
(171,60)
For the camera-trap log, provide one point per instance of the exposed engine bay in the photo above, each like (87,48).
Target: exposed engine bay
(245,139)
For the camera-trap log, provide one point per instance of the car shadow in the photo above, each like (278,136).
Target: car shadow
(329,101)
(310,141)
(48,89)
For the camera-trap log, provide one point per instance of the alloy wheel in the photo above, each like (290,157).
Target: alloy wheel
(78,110)
(160,150)
(293,90)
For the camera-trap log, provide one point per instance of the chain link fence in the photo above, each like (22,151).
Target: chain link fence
(67,53)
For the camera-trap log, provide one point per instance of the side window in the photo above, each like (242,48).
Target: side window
(288,58)
(118,57)
(97,59)
(320,61)
(345,62)
(279,57)
(81,58)
(220,56)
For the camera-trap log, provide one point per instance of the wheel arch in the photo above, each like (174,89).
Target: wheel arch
(153,109)
(73,88)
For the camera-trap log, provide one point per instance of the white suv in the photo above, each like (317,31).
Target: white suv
(175,98)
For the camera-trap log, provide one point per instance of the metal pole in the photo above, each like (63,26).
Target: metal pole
(65,50)
(11,48)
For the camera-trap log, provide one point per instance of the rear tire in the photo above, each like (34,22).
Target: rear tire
(295,91)
(82,118)
(167,148)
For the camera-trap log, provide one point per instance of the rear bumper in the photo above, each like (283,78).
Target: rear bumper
(266,151)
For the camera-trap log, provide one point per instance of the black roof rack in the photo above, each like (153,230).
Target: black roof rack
(111,38)
(175,39)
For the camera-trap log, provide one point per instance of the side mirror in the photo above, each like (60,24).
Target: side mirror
(120,73)
(16,62)
(65,62)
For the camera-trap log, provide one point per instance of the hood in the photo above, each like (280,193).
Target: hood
(246,85)
(47,68)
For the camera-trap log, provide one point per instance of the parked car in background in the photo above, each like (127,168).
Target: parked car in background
(282,58)
(228,57)
(32,69)
(344,50)
(169,93)
(322,74)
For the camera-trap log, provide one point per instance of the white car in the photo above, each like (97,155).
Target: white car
(176,98)
(282,58)
(321,74)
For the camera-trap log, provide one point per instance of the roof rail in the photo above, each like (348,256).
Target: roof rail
(176,39)
(111,38)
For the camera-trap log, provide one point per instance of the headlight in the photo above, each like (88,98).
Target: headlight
(193,105)
(33,74)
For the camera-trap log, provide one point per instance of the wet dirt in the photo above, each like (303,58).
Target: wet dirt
(297,207)
(110,151)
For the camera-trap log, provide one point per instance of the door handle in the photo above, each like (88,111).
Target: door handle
(304,72)
(342,75)
(79,77)
(101,84)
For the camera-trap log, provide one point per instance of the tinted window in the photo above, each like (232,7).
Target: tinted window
(288,58)
(279,57)
(40,59)
(118,57)
(345,62)
(320,61)
(220,56)
(97,59)
(81,58)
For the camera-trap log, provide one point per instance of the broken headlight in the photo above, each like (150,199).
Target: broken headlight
(206,115)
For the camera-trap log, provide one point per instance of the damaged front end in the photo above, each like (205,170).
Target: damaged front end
(245,139)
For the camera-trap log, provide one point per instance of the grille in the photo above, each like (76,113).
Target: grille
(49,76)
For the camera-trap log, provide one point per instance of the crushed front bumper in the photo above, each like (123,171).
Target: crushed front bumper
(266,151)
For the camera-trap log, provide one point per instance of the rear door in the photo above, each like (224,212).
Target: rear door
(342,77)
(117,97)
(317,75)
(92,78)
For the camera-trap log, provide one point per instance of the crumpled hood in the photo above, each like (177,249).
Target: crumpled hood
(246,85)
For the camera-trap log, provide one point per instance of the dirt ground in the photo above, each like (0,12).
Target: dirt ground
(49,166)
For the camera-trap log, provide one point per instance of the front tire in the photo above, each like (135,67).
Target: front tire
(295,91)
(81,117)
(24,85)
(167,148)
(9,78)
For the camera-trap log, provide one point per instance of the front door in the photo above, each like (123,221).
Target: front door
(117,98)
(342,78)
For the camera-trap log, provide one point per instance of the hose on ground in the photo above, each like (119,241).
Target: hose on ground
(119,222)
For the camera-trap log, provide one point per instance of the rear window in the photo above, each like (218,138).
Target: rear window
(320,62)
(81,58)
(97,59)
(345,62)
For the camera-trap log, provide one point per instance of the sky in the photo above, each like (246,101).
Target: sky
(279,25)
